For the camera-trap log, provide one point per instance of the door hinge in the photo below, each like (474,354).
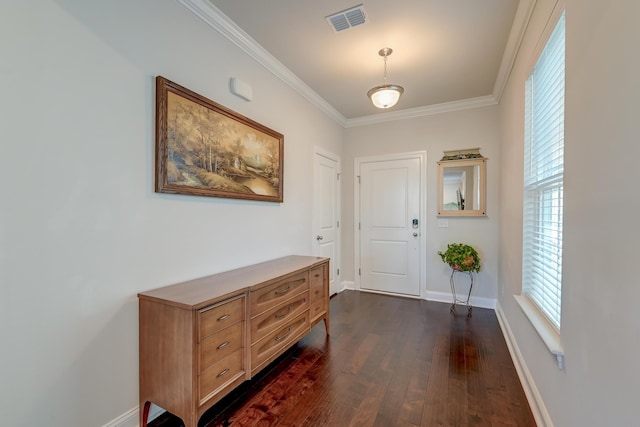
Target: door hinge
(338,272)
(338,176)
(359,272)
(359,226)
(358,179)
(337,224)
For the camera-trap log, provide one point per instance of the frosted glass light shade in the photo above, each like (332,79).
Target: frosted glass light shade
(385,96)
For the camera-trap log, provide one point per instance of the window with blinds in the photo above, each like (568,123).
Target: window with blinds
(543,178)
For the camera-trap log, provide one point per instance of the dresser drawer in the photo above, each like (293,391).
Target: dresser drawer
(316,276)
(278,316)
(220,374)
(317,292)
(217,317)
(221,344)
(270,296)
(316,284)
(317,308)
(263,351)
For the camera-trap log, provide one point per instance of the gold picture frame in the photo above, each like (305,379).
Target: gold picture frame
(205,149)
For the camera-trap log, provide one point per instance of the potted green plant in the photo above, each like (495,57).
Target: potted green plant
(461,257)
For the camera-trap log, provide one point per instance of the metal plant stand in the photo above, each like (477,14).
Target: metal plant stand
(456,300)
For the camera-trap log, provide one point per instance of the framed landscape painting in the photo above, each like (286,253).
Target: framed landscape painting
(205,149)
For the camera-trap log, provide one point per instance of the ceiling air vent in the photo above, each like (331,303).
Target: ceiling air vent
(347,18)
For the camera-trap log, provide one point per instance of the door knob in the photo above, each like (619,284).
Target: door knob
(319,237)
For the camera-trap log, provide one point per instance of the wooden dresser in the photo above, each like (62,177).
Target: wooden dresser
(202,338)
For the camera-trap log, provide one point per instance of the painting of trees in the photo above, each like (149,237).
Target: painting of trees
(213,151)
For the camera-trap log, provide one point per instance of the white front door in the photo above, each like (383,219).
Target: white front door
(326,213)
(390,225)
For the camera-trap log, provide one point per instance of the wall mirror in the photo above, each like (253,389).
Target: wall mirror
(462,177)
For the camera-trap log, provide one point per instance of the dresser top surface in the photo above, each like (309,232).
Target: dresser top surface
(197,293)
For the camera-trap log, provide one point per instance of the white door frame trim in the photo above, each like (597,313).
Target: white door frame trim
(422,156)
(319,151)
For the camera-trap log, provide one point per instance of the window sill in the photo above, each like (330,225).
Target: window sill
(547,332)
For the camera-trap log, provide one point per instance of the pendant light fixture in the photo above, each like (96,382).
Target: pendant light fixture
(387,95)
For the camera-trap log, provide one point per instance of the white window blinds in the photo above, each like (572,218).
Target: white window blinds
(543,178)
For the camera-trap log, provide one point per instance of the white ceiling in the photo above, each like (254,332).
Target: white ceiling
(445,52)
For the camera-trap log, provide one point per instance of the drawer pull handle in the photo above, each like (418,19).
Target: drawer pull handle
(225,317)
(223,373)
(283,336)
(283,313)
(283,291)
(223,345)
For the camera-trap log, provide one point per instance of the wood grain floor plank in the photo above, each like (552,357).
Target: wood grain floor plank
(436,397)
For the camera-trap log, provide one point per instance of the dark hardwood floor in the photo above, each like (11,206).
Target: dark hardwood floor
(388,362)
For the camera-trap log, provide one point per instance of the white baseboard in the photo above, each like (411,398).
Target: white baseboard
(436,296)
(128,419)
(346,284)
(536,403)
(446,297)
(131,418)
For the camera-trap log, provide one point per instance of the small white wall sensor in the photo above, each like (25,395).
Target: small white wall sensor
(242,89)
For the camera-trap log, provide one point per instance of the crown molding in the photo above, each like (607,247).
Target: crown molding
(410,113)
(212,16)
(520,24)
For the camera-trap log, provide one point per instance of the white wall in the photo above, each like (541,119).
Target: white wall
(448,131)
(81,229)
(600,324)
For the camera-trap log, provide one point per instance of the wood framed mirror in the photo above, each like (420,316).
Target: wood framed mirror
(462,187)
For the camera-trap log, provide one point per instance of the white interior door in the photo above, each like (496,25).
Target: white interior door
(326,213)
(390,224)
